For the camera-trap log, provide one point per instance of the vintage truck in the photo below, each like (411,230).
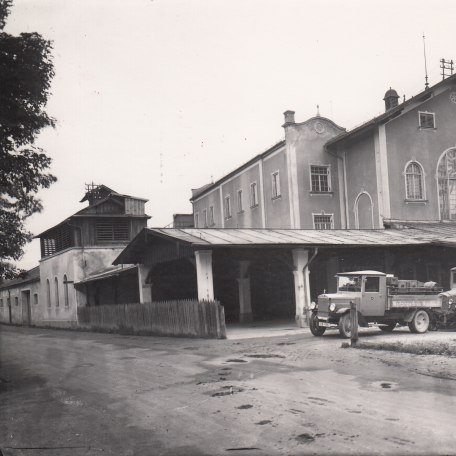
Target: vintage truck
(383,300)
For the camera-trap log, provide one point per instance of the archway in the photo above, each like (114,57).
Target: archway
(446,178)
(364,215)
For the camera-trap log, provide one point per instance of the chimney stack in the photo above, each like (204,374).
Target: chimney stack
(289,118)
(391,99)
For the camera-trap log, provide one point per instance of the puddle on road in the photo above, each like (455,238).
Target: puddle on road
(385,385)
(305,438)
(226,391)
(236,360)
(265,356)
(263,422)
(245,407)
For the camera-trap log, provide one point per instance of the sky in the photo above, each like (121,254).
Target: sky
(155,97)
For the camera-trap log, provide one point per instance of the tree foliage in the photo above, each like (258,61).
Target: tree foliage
(26,71)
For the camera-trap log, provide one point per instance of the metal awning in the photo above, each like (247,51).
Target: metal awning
(213,238)
(108,273)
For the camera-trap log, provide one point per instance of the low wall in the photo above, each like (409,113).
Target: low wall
(189,318)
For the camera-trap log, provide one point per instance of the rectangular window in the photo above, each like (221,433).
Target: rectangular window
(197,220)
(35,299)
(211,216)
(228,207)
(112,230)
(253,194)
(16,301)
(372,285)
(427,120)
(320,178)
(1,302)
(239,201)
(205,218)
(323,221)
(275,184)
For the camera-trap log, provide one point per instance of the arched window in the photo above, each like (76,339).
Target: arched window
(48,293)
(65,290)
(56,283)
(414,181)
(446,176)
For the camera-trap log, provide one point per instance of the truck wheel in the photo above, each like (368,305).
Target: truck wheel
(388,328)
(345,326)
(315,328)
(420,322)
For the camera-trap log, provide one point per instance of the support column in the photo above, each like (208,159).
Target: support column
(204,275)
(145,289)
(245,304)
(302,288)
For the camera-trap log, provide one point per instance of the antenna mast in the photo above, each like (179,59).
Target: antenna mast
(426,84)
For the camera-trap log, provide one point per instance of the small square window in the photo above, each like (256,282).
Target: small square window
(427,120)
(323,221)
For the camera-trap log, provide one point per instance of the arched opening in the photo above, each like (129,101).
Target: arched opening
(364,216)
(56,283)
(48,293)
(65,290)
(446,176)
(414,181)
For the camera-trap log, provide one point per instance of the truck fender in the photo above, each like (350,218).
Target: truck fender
(408,317)
(343,310)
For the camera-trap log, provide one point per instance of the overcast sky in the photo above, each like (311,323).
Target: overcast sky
(155,97)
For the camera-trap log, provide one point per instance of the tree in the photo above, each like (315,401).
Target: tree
(26,71)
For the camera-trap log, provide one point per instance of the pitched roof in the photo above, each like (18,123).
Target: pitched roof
(366,126)
(196,192)
(32,275)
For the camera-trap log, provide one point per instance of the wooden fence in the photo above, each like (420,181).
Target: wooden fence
(188,318)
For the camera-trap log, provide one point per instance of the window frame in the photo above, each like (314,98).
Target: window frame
(66,296)
(48,293)
(204,218)
(240,204)
(227,209)
(408,197)
(328,175)
(254,202)
(16,301)
(275,184)
(323,214)
(196,221)
(420,125)
(56,292)
(35,299)
(211,216)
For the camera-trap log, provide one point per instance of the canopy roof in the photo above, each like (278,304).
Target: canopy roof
(214,238)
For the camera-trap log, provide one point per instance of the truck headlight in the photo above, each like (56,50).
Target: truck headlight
(332,307)
(312,305)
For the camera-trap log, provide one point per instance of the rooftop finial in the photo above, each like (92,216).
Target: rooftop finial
(426,84)
(318,110)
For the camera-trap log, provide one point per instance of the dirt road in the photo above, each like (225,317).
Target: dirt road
(73,393)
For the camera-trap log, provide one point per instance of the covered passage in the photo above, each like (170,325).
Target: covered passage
(260,274)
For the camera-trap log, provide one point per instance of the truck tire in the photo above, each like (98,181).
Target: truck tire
(420,322)
(388,328)
(315,328)
(345,326)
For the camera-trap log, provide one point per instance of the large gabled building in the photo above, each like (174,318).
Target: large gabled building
(398,166)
